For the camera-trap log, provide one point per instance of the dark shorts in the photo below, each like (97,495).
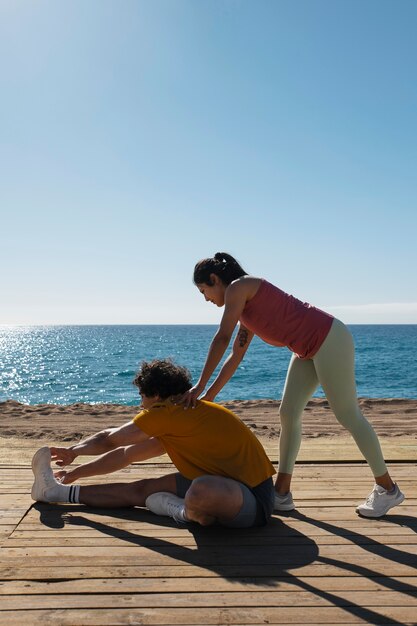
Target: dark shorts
(257,507)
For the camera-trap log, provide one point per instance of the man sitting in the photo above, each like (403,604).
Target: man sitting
(224,474)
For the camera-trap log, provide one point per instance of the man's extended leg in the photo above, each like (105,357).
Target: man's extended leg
(47,489)
(114,495)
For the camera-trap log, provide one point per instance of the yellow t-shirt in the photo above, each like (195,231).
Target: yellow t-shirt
(208,439)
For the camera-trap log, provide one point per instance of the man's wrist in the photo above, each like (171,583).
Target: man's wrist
(74,451)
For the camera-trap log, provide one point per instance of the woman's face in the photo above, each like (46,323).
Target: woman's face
(213,293)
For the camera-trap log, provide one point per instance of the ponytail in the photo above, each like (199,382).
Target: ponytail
(222,264)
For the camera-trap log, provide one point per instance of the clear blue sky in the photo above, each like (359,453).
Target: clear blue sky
(140,136)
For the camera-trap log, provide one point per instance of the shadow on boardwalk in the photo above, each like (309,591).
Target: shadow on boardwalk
(251,555)
(374,547)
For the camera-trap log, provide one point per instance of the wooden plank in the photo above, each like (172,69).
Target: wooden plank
(39,570)
(249,599)
(121,542)
(24,471)
(308,491)
(381,557)
(220,549)
(74,516)
(323,448)
(208,616)
(305,526)
(342,513)
(359,472)
(403,535)
(288,584)
(308,497)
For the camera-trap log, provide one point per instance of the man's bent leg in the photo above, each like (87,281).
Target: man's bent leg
(213,498)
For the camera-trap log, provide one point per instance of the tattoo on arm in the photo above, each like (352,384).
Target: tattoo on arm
(243,337)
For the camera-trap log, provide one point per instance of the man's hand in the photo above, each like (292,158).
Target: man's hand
(64,476)
(62,456)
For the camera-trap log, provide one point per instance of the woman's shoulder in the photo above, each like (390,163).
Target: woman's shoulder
(245,285)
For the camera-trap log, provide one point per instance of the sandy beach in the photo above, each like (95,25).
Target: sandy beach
(68,423)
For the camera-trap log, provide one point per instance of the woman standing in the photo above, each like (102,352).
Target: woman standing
(323,353)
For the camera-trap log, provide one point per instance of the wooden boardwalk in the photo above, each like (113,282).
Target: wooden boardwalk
(73,565)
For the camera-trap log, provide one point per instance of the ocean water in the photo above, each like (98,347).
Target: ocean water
(96,364)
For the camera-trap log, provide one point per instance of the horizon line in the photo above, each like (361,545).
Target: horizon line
(33,325)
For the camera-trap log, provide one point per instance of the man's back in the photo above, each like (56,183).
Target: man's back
(208,439)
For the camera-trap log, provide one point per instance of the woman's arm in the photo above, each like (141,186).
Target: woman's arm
(240,345)
(235,301)
(112,461)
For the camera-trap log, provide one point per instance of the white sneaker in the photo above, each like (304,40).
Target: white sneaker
(283,503)
(164,503)
(380,501)
(46,488)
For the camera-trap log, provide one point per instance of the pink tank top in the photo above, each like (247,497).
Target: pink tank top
(281,320)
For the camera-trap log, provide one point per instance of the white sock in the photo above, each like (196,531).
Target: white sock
(74,493)
(63,493)
(181,515)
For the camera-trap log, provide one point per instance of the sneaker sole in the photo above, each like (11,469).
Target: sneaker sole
(36,493)
(38,455)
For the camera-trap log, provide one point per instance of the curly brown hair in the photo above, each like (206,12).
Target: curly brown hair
(163,378)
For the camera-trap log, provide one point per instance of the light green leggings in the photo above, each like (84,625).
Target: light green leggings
(333,368)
